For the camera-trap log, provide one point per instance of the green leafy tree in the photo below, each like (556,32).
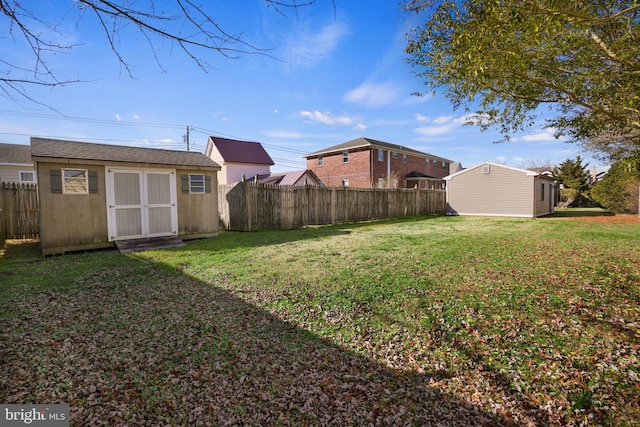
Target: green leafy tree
(578,58)
(573,174)
(618,190)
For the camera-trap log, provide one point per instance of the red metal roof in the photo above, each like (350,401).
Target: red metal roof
(236,151)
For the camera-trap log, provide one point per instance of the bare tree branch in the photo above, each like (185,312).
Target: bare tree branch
(191,28)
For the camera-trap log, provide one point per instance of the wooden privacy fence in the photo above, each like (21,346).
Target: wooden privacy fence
(18,211)
(250,206)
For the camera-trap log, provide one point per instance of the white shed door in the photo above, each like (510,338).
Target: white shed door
(141,204)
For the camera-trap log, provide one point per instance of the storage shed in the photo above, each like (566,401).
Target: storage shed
(491,189)
(94,195)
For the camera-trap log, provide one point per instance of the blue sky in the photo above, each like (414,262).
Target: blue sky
(331,75)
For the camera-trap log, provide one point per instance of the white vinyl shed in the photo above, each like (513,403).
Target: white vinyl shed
(491,189)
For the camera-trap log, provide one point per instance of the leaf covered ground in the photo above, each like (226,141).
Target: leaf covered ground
(434,320)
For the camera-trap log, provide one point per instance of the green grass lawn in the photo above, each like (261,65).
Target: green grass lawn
(466,321)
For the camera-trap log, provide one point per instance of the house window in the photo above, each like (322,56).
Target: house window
(404,183)
(435,162)
(380,155)
(394,155)
(196,184)
(27,176)
(345,157)
(75,181)
(444,167)
(380,182)
(345,182)
(404,158)
(320,160)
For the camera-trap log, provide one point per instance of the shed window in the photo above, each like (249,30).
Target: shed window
(320,160)
(75,181)
(27,176)
(486,169)
(345,157)
(196,183)
(380,155)
(542,190)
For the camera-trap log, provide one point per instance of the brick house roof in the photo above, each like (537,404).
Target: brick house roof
(61,149)
(236,151)
(372,143)
(15,154)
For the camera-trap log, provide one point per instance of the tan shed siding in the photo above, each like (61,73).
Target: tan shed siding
(502,191)
(197,213)
(71,221)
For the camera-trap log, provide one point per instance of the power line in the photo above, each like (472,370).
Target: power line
(161,143)
(209,132)
(90,120)
(200,130)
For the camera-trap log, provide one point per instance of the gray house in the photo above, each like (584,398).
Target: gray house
(491,189)
(97,195)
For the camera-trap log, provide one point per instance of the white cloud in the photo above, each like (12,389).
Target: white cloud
(443,119)
(136,116)
(374,95)
(117,117)
(545,134)
(419,117)
(327,118)
(435,130)
(309,49)
(443,125)
(360,126)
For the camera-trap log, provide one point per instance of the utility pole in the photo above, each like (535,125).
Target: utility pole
(185,138)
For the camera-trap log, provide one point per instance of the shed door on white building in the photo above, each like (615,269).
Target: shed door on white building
(141,203)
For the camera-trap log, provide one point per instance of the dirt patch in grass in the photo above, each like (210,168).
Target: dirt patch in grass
(611,219)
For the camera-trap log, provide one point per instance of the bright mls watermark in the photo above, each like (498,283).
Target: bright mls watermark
(34,415)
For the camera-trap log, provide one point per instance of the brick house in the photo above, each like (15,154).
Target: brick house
(366,163)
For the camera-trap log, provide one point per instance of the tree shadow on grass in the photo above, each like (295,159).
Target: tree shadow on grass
(578,212)
(136,345)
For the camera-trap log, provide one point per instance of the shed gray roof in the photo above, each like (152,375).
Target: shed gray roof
(372,143)
(60,149)
(15,153)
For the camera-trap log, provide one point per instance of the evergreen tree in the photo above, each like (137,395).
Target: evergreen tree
(573,174)
(618,190)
